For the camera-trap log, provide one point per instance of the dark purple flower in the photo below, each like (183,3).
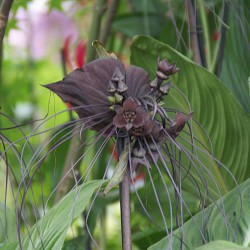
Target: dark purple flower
(86,89)
(105,94)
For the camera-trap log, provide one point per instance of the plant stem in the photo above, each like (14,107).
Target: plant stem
(124,189)
(110,15)
(95,28)
(201,42)
(193,32)
(206,34)
(5,6)
(222,40)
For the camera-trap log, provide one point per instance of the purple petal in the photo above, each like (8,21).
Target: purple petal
(88,87)
(137,80)
(119,121)
(119,110)
(130,105)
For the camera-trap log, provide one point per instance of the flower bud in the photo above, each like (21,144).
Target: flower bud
(118,98)
(111,100)
(165,69)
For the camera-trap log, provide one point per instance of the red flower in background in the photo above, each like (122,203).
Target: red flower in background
(79,54)
(79,57)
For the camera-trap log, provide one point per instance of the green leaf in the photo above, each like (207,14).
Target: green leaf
(7,224)
(221,245)
(8,246)
(236,60)
(55,4)
(120,170)
(214,107)
(50,231)
(227,219)
(148,197)
(147,237)
(134,24)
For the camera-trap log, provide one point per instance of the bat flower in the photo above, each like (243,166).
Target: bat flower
(90,90)
(109,97)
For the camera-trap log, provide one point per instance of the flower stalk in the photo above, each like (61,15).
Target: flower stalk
(124,190)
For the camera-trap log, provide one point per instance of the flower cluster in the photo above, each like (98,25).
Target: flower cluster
(105,94)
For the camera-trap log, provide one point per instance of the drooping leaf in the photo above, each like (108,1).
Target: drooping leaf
(227,219)
(214,107)
(50,231)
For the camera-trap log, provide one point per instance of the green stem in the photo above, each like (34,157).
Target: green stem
(194,45)
(222,40)
(222,29)
(110,15)
(204,24)
(95,28)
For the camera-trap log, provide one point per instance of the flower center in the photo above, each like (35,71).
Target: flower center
(129,116)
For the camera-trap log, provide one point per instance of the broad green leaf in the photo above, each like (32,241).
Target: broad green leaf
(236,60)
(227,219)
(50,231)
(214,107)
(221,245)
